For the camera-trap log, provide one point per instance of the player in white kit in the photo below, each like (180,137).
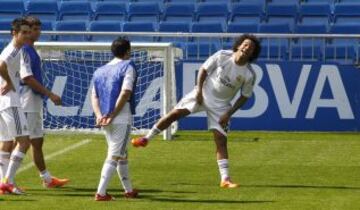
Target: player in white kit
(219,80)
(12,119)
(113,104)
(32,92)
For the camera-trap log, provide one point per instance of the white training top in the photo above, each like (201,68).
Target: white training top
(15,59)
(225,79)
(124,116)
(30,101)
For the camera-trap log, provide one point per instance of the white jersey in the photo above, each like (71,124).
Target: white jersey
(124,116)
(15,59)
(225,78)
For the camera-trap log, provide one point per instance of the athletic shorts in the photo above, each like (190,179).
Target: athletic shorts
(213,114)
(35,124)
(12,124)
(117,137)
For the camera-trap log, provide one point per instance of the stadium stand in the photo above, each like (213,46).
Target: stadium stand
(110,11)
(104,26)
(209,12)
(75,10)
(144,12)
(44,10)
(70,26)
(246,13)
(179,12)
(11,9)
(315,13)
(140,27)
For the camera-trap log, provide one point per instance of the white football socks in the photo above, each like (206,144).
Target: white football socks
(153,132)
(4,163)
(14,164)
(224,169)
(123,172)
(45,176)
(107,171)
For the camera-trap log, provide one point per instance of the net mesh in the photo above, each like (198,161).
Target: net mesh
(68,73)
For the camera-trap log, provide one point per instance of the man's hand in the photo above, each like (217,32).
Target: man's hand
(199,97)
(6,88)
(224,120)
(99,121)
(55,99)
(107,120)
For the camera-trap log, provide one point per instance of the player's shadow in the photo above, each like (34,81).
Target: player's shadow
(304,186)
(207,201)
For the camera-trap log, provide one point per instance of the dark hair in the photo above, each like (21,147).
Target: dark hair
(120,46)
(33,21)
(17,23)
(256,42)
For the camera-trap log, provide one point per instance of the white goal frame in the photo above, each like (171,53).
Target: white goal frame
(164,52)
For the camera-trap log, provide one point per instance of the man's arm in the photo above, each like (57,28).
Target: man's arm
(35,85)
(200,82)
(96,107)
(224,119)
(120,102)
(5,75)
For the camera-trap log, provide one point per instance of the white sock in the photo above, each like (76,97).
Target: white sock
(153,132)
(15,162)
(45,176)
(123,172)
(224,169)
(107,171)
(4,163)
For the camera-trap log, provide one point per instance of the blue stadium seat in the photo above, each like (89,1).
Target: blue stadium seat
(11,9)
(70,26)
(104,26)
(199,51)
(282,13)
(246,13)
(347,13)
(209,12)
(139,27)
(262,3)
(282,1)
(2,45)
(116,1)
(345,28)
(44,10)
(46,26)
(209,27)
(110,11)
(183,1)
(179,12)
(174,28)
(274,48)
(5,25)
(315,13)
(330,2)
(347,1)
(144,12)
(75,10)
(242,28)
(308,49)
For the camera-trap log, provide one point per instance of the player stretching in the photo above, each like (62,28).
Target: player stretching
(220,78)
(31,93)
(113,104)
(12,119)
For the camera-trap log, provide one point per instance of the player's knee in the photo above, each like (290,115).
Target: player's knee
(177,114)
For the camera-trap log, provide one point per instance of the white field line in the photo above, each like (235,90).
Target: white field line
(55,154)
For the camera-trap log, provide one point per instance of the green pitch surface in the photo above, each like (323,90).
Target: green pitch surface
(277,171)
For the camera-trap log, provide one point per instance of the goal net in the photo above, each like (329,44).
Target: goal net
(68,68)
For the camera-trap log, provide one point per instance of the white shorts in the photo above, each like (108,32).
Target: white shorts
(213,114)
(35,124)
(12,124)
(117,137)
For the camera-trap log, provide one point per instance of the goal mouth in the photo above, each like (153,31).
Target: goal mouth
(68,68)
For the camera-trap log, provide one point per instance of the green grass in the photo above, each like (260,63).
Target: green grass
(279,171)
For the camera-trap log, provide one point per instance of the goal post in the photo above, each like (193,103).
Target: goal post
(68,68)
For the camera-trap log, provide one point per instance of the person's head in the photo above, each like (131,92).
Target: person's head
(246,48)
(20,30)
(35,28)
(121,48)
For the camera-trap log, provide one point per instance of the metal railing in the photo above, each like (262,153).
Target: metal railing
(342,48)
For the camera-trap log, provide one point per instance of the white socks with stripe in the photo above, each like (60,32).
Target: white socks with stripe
(45,176)
(153,132)
(123,172)
(107,171)
(15,162)
(224,169)
(4,163)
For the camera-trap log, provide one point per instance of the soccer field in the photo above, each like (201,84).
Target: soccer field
(277,171)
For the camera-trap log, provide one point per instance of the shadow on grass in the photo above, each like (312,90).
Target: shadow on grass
(305,186)
(208,201)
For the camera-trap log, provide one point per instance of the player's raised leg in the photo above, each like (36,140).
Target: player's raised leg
(161,125)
